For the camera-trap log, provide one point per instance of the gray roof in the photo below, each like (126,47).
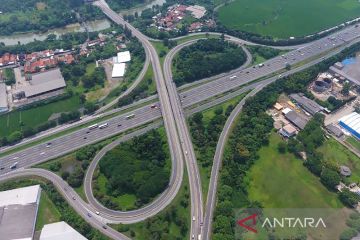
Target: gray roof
(3,96)
(17,221)
(307,104)
(334,130)
(296,119)
(345,171)
(44,82)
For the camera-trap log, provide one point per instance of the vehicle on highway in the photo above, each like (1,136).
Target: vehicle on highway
(119,125)
(15,158)
(233,77)
(102,126)
(97,213)
(93,126)
(2,168)
(130,116)
(153,106)
(48,144)
(104,227)
(73,198)
(14,165)
(89,215)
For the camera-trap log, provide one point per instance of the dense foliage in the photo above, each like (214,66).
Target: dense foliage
(34,15)
(67,213)
(206,58)
(249,135)
(137,167)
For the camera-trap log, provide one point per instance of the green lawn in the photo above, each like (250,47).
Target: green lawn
(283,19)
(35,116)
(281,181)
(47,213)
(336,153)
(355,143)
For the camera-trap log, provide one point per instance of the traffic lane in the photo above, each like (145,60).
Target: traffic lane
(75,140)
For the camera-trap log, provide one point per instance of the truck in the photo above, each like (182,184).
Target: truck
(105,125)
(93,127)
(14,165)
(130,116)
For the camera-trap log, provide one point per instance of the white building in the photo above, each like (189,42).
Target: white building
(122,57)
(18,211)
(351,123)
(118,70)
(3,98)
(60,231)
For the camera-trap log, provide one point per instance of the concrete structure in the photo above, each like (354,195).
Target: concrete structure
(288,131)
(307,104)
(122,57)
(196,11)
(345,171)
(278,106)
(42,83)
(60,231)
(18,211)
(296,119)
(118,70)
(3,98)
(351,123)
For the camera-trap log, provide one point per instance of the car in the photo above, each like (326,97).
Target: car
(73,198)
(193,218)
(85,137)
(97,213)
(153,106)
(16,158)
(104,227)
(42,153)
(87,131)
(2,168)
(89,215)
(193,236)
(13,166)
(186,153)
(119,125)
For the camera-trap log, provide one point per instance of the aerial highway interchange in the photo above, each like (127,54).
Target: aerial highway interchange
(171,107)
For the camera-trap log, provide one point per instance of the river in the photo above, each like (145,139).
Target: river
(24,38)
(97,25)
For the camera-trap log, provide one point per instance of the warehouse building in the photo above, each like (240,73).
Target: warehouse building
(3,98)
(351,123)
(41,84)
(122,57)
(307,104)
(118,70)
(18,211)
(296,119)
(60,231)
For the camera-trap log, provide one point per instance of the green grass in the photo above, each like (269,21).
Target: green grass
(47,212)
(302,189)
(336,153)
(34,117)
(283,19)
(355,143)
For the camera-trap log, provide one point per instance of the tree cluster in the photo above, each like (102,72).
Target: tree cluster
(206,58)
(137,167)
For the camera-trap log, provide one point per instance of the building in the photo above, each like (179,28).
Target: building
(288,131)
(123,57)
(278,106)
(18,211)
(351,123)
(307,104)
(196,11)
(118,70)
(334,130)
(296,119)
(60,231)
(3,98)
(42,83)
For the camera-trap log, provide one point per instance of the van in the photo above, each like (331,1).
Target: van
(93,127)
(105,125)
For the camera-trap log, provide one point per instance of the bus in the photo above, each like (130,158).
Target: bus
(130,116)
(105,125)
(93,126)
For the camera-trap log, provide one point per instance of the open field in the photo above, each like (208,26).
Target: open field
(302,189)
(47,213)
(283,19)
(36,116)
(337,154)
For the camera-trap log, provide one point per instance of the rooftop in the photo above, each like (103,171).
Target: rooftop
(44,82)
(296,119)
(18,210)
(118,70)
(3,96)
(309,105)
(352,120)
(123,57)
(60,231)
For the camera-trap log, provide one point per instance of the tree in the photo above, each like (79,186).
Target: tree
(346,89)
(330,178)
(348,198)
(14,137)
(348,234)
(282,147)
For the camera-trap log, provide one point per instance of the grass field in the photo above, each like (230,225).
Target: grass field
(34,117)
(47,213)
(281,181)
(302,188)
(338,154)
(283,19)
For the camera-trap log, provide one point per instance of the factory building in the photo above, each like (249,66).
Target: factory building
(18,211)
(60,231)
(351,123)
(307,104)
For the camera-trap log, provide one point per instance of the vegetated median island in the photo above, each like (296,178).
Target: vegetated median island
(284,19)
(206,58)
(133,173)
